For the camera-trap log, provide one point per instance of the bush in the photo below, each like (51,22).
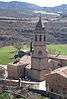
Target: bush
(6,96)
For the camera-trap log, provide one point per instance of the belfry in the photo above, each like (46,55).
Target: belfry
(39,60)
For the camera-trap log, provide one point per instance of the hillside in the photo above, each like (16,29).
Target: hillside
(58,9)
(20,30)
(23,6)
(18,20)
(19,6)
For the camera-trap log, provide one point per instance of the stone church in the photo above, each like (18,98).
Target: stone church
(36,66)
(39,67)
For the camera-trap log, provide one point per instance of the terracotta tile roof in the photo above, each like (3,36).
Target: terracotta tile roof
(62,71)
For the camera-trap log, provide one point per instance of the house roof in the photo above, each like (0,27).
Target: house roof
(61,71)
(60,57)
(26,59)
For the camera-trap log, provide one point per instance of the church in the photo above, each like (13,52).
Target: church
(36,66)
(40,69)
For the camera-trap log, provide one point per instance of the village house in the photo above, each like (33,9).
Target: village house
(57,80)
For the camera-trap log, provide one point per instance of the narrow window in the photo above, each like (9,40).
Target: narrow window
(44,37)
(51,90)
(35,37)
(40,38)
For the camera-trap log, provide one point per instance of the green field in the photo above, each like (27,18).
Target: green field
(7,53)
(54,49)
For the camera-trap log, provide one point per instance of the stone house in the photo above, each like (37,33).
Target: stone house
(16,71)
(57,80)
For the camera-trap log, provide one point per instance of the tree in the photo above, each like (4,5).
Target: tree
(18,47)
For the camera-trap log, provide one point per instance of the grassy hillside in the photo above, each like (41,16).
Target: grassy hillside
(7,53)
(16,5)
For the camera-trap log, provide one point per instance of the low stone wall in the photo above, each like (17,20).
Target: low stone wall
(9,82)
(16,83)
(51,95)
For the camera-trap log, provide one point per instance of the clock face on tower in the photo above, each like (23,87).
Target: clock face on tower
(39,53)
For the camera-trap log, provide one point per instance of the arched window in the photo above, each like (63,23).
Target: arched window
(35,37)
(40,38)
(44,37)
(39,53)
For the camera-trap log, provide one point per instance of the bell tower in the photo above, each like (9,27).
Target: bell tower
(39,60)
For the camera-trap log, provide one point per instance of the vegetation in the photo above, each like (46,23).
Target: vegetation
(7,53)
(9,96)
(54,49)
(20,30)
(6,96)
(20,6)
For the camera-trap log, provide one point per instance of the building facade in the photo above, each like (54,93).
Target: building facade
(57,80)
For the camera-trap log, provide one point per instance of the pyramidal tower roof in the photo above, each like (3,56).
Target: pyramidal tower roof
(39,24)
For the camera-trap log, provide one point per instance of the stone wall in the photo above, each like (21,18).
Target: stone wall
(53,64)
(15,71)
(56,82)
(63,62)
(49,94)
(15,83)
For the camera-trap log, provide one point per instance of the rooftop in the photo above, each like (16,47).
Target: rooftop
(62,71)
(39,25)
(24,61)
(60,57)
